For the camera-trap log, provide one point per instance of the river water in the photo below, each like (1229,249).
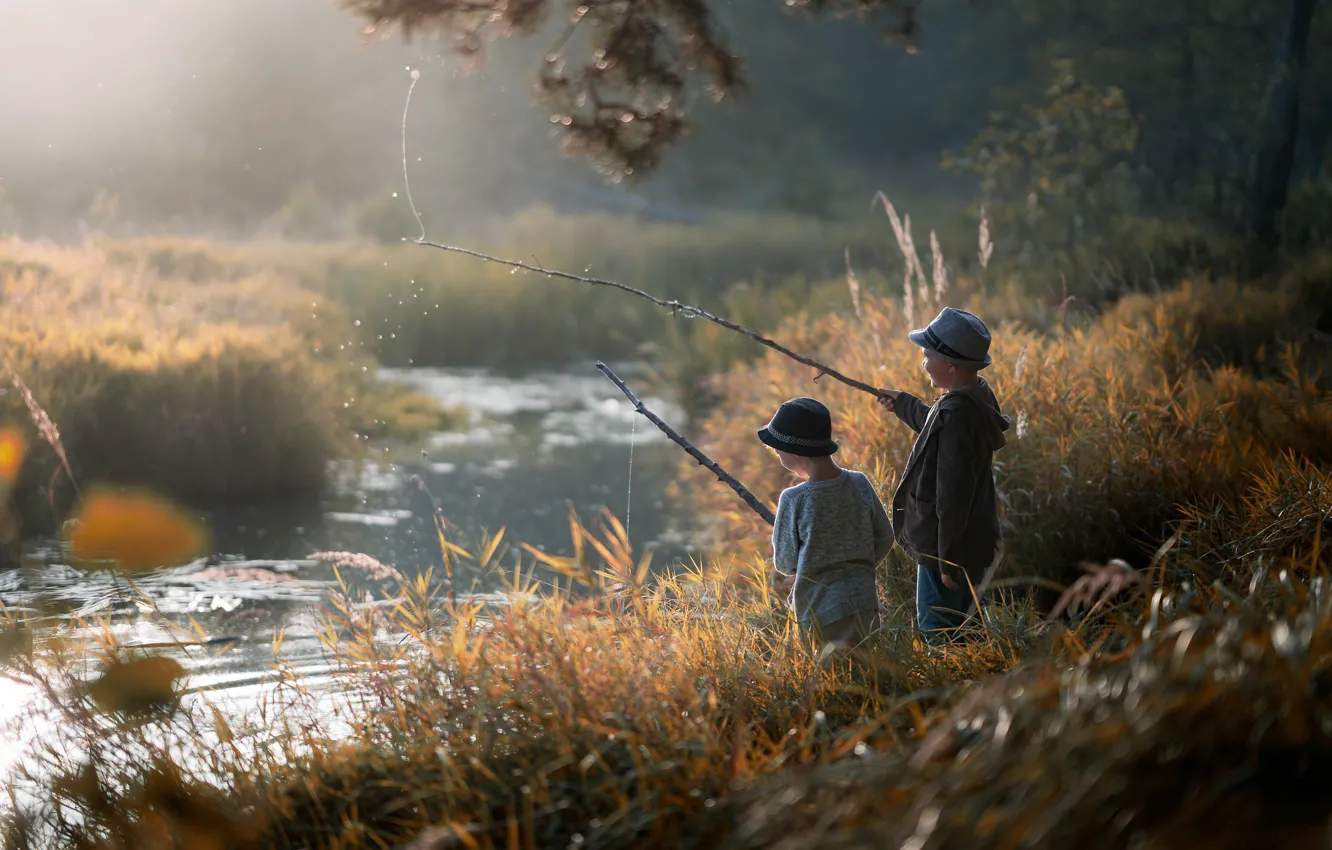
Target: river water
(536,446)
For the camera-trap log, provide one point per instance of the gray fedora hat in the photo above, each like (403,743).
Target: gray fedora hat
(958,337)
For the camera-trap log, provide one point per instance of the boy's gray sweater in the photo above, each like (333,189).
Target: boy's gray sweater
(831,535)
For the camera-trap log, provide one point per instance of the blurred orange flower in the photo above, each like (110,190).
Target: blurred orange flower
(133,530)
(13,448)
(137,686)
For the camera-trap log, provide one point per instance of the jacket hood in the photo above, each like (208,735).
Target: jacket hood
(993,422)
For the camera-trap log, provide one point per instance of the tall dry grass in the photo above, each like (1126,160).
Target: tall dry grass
(429,308)
(685,712)
(1157,403)
(622,710)
(616,711)
(208,391)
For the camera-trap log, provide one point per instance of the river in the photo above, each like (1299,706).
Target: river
(536,445)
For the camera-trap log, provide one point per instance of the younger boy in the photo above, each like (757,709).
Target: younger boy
(830,531)
(945,508)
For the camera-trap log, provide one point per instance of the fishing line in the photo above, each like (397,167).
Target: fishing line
(629,498)
(416,76)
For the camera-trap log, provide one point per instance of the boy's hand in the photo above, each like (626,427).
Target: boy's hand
(946,576)
(888,399)
(781,582)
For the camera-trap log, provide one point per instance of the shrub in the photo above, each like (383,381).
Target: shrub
(208,392)
(1116,424)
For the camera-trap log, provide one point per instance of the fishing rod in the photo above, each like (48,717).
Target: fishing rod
(703,460)
(674,306)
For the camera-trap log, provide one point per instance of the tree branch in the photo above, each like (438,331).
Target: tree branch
(674,306)
(722,475)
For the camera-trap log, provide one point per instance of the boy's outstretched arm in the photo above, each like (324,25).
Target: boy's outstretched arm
(907,407)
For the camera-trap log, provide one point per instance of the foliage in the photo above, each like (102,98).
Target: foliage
(416,306)
(1121,749)
(305,215)
(680,707)
(1308,215)
(622,101)
(1057,178)
(1163,401)
(386,218)
(685,711)
(619,710)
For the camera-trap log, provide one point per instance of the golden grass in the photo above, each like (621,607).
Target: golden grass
(685,712)
(206,391)
(429,308)
(616,710)
(1117,423)
(682,710)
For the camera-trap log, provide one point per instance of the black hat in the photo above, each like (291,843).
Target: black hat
(801,426)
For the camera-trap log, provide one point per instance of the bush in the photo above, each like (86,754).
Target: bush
(210,392)
(221,415)
(1116,424)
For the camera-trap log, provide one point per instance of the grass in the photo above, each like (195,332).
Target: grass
(213,393)
(1120,418)
(419,306)
(684,712)
(1182,431)
(218,373)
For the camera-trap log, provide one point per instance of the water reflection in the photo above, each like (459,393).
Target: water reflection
(534,447)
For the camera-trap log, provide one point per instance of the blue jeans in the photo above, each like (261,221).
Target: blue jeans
(939,610)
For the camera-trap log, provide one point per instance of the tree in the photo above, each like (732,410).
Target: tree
(1281,126)
(1208,137)
(623,101)
(1057,177)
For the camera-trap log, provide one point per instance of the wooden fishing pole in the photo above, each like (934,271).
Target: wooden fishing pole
(674,306)
(703,460)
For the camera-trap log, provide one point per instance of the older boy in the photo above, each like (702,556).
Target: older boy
(945,510)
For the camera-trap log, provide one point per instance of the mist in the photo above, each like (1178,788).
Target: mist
(206,117)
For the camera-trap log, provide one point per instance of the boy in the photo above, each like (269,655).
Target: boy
(945,509)
(830,531)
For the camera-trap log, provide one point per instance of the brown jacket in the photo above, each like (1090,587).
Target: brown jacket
(945,510)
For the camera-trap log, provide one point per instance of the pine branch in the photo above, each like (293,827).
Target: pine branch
(722,475)
(675,307)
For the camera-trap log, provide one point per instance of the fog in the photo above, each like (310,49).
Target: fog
(211,111)
(205,116)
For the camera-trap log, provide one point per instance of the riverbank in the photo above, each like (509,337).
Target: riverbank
(211,392)
(681,710)
(1122,423)
(222,373)
(685,713)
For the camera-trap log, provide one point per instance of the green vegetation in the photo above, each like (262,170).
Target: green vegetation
(425,307)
